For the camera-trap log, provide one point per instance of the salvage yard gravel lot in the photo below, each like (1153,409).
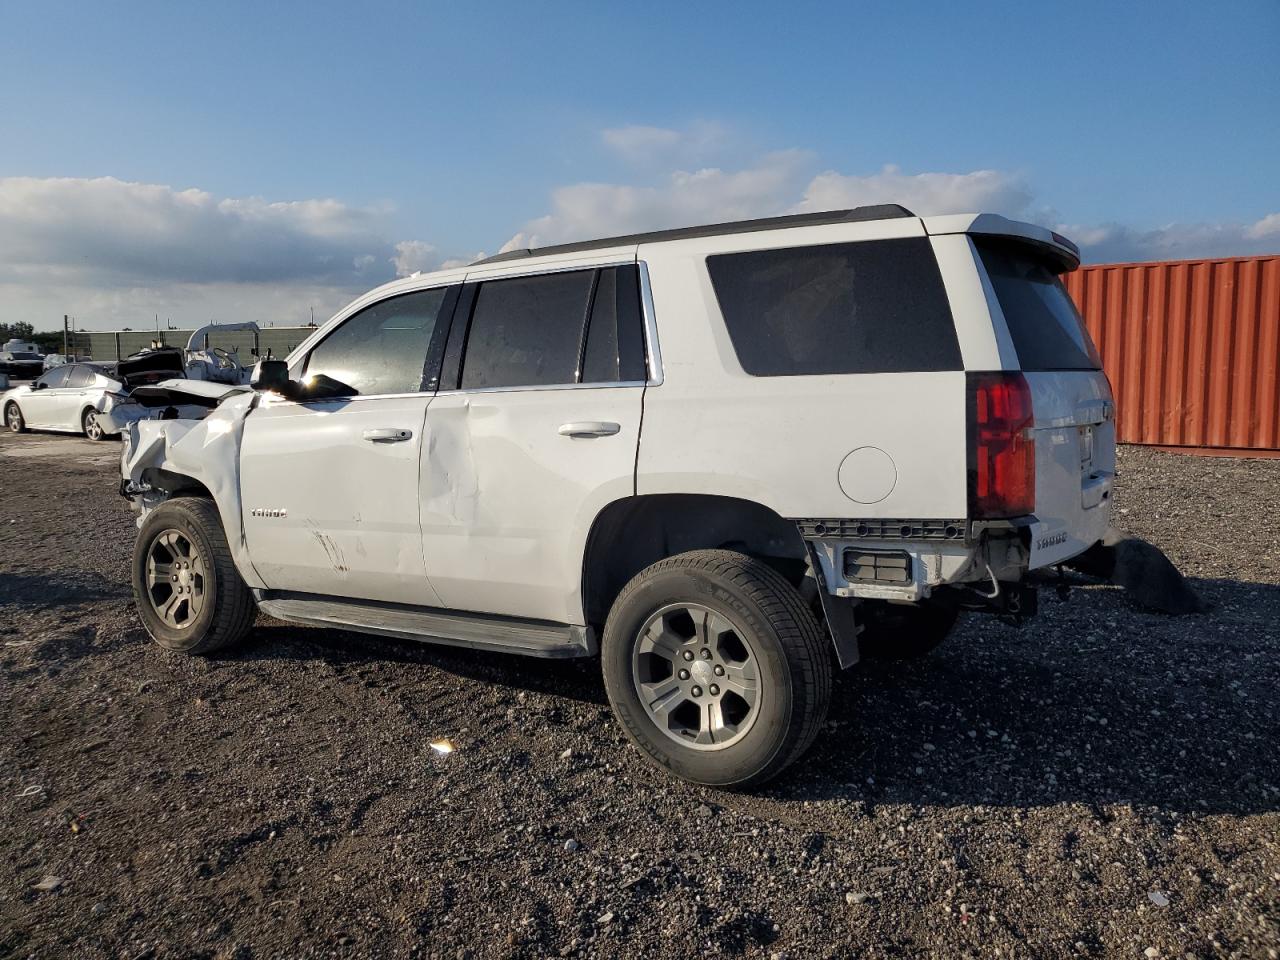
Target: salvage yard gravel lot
(1100,782)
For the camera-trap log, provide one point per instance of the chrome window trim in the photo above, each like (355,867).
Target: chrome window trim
(652,351)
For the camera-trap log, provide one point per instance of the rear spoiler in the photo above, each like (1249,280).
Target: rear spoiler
(1061,252)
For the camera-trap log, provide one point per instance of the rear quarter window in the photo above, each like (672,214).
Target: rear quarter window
(877,306)
(1046,329)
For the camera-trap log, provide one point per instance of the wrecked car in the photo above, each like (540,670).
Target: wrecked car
(99,400)
(70,398)
(724,460)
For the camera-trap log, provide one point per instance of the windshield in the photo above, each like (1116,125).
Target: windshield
(1046,328)
(23,356)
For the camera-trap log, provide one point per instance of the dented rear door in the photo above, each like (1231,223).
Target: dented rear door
(537,436)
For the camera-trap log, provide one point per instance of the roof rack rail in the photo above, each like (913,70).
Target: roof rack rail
(881,211)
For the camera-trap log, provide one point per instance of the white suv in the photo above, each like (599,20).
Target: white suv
(720,458)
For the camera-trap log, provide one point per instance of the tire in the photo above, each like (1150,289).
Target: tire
(13,418)
(904,632)
(731,615)
(90,426)
(213,609)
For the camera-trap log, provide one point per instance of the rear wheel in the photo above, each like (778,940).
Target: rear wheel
(715,668)
(13,418)
(187,590)
(91,426)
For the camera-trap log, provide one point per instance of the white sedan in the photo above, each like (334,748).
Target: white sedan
(69,398)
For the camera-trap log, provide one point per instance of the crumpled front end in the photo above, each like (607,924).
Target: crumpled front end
(161,459)
(174,399)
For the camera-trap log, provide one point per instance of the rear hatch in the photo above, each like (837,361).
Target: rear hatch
(1074,415)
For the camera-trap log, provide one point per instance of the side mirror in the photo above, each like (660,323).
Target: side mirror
(39,386)
(270,375)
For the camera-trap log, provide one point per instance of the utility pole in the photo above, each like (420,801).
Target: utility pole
(64,334)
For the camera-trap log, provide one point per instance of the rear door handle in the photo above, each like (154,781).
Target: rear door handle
(388,435)
(589,428)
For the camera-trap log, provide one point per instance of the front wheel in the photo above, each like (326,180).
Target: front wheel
(13,418)
(716,668)
(188,592)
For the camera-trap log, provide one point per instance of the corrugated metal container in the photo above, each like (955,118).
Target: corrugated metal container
(1192,348)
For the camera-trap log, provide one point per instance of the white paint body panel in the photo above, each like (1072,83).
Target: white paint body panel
(508,501)
(712,428)
(1073,497)
(351,522)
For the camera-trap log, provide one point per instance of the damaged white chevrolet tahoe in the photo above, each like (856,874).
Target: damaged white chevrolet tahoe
(720,458)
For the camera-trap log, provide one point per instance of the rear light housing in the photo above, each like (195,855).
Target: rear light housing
(1002,446)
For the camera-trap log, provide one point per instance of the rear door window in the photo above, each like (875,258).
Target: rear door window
(878,306)
(80,377)
(527,331)
(1046,328)
(382,349)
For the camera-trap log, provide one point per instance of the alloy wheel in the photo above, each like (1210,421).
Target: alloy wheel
(175,578)
(697,676)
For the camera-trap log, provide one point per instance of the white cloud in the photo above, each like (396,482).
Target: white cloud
(1268,226)
(645,146)
(114,252)
(115,232)
(414,256)
(1118,243)
(926,194)
(588,210)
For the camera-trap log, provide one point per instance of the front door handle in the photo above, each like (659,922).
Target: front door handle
(388,435)
(589,428)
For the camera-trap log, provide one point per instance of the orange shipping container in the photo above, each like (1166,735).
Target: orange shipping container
(1192,348)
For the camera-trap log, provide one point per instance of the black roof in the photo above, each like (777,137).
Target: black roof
(882,211)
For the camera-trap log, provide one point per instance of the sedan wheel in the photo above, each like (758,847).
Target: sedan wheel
(13,417)
(92,428)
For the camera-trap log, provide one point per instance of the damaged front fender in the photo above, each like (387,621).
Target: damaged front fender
(164,458)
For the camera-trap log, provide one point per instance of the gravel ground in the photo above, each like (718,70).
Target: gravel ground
(1101,782)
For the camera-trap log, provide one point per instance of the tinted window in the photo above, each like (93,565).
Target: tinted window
(80,376)
(615,336)
(527,331)
(871,307)
(383,348)
(57,377)
(1045,326)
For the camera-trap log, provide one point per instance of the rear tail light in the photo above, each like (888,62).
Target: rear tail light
(1002,447)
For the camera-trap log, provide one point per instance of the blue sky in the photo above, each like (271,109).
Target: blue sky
(270,157)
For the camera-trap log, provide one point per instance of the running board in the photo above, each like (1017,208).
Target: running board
(532,638)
